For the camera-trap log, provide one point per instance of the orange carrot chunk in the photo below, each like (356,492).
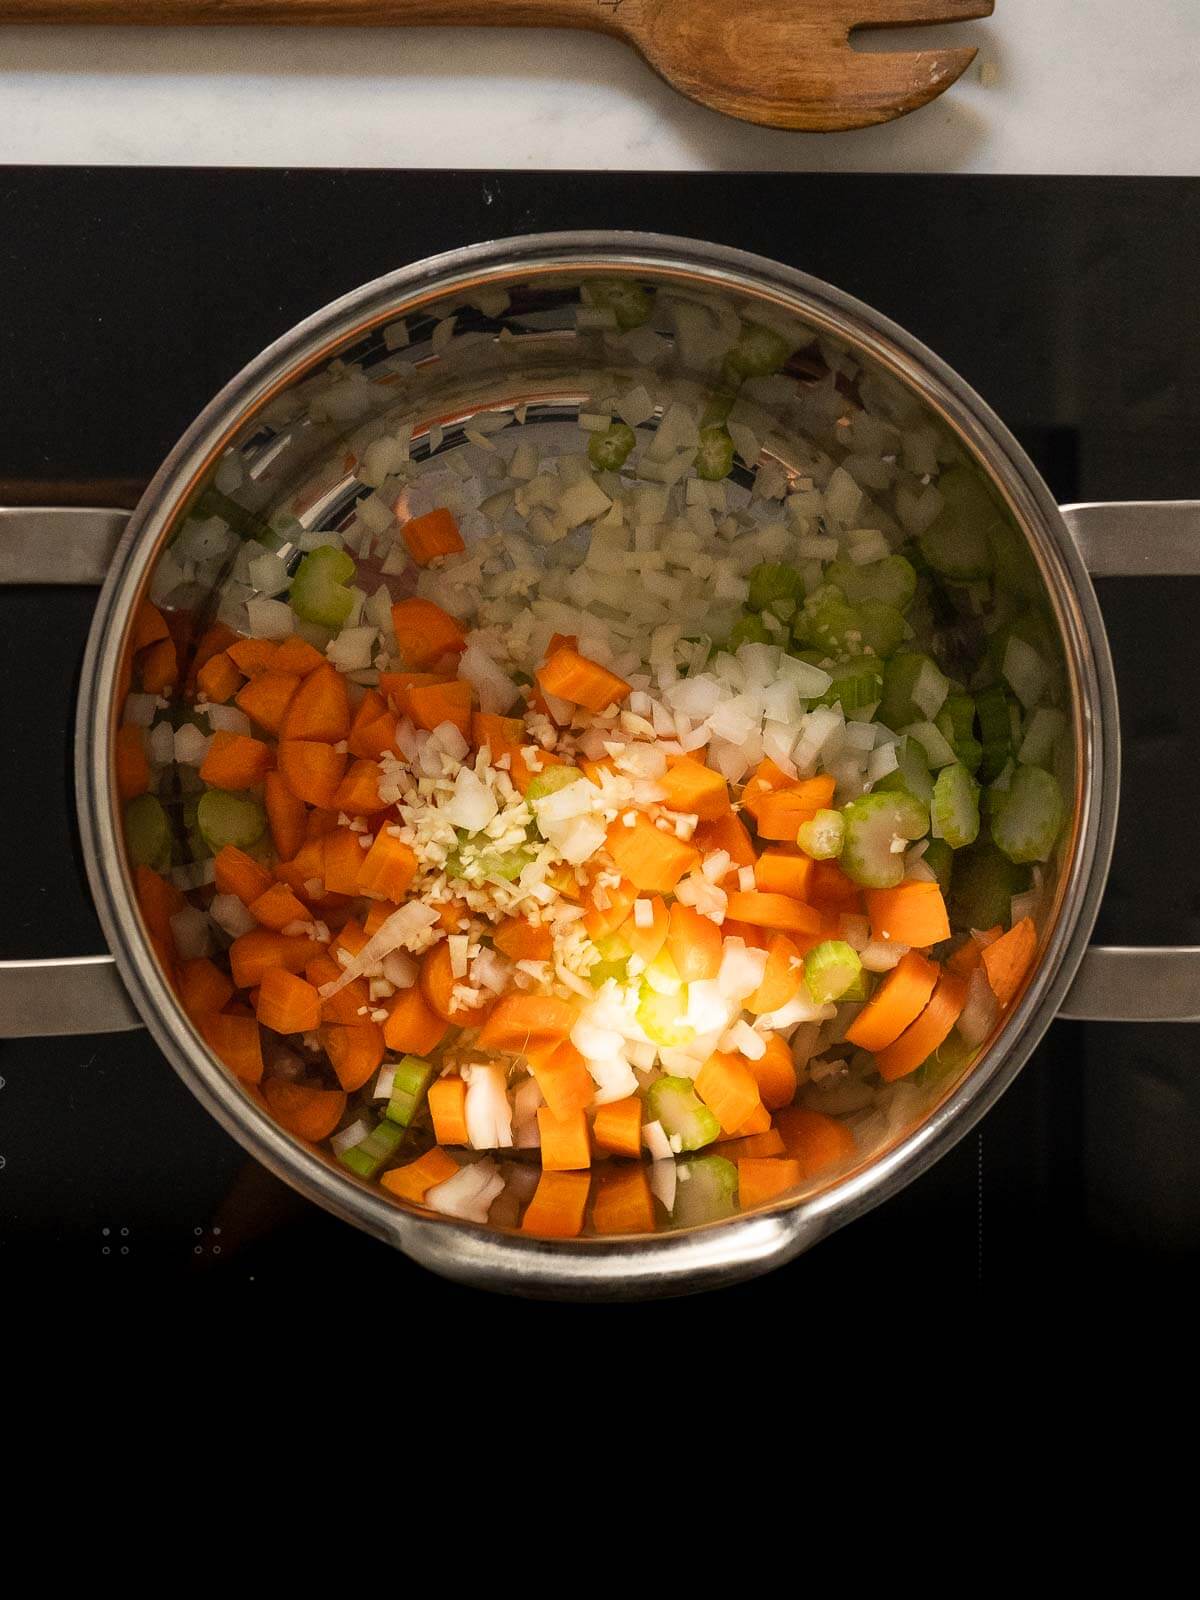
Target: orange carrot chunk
(602,920)
(160,667)
(435,703)
(1008,959)
(912,913)
(775,1073)
(648,941)
(777,911)
(252,656)
(896,1004)
(694,944)
(778,815)
(149,626)
(265,699)
(728,833)
(285,816)
(727,1087)
(387,868)
(559,1205)
(412,1028)
(319,708)
(923,1037)
(782,977)
(617,1127)
(288,1004)
(203,986)
(131,764)
(435,534)
(312,770)
(562,1076)
(524,1021)
(695,789)
(584,682)
(652,860)
(624,1202)
(814,1140)
(304,1110)
(448,1108)
(764,1178)
(438,984)
(296,655)
(354,1051)
(218,678)
(358,792)
(424,632)
(277,906)
(414,1181)
(239,874)
(564,1140)
(235,761)
(236,1042)
(252,955)
(523,941)
(778,873)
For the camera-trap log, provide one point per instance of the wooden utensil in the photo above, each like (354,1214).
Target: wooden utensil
(782,63)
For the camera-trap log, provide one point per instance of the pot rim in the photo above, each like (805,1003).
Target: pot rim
(736,1247)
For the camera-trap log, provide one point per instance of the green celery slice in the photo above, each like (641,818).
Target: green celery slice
(830,969)
(409,1087)
(675,1104)
(224,817)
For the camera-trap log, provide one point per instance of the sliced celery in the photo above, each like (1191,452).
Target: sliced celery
(830,970)
(717,408)
(879,827)
(319,593)
(758,352)
(952,1056)
(748,630)
(551,780)
(630,303)
(827,623)
(661,1015)
(954,811)
(1030,816)
(773,582)
(227,818)
(714,458)
(911,773)
(148,833)
(956,542)
(882,628)
(892,581)
(1042,733)
(609,451)
(706,1191)
(823,836)
(857,684)
(409,1087)
(684,1116)
(366,1157)
(982,886)
(995,728)
(957,717)
(938,752)
(914,690)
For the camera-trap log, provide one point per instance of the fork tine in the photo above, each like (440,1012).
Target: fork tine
(917,13)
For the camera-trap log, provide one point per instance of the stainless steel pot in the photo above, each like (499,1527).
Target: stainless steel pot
(538,358)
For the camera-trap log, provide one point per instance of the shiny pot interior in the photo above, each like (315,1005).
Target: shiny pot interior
(497,330)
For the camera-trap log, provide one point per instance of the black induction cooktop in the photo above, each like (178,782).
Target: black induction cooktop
(130,296)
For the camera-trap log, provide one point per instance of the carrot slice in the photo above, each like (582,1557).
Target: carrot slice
(558,1206)
(694,944)
(617,1126)
(424,632)
(358,792)
(218,678)
(968,956)
(816,1141)
(624,1202)
(694,788)
(252,656)
(412,1028)
(778,815)
(777,911)
(775,1073)
(387,868)
(311,770)
(912,913)
(435,534)
(341,862)
(350,1004)
(236,1042)
(523,941)
(522,1021)
(265,699)
(727,1087)
(782,977)
(650,858)
(564,1141)
(448,1108)
(761,1179)
(1008,959)
(354,1051)
(584,682)
(414,1181)
(896,1004)
(235,761)
(601,921)
(319,708)
(285,816)
(831,887)
(203,986)
(130,762)
(252,955)
(149,626)
(287,1004)
(778,873)
(308,1112)
(728,833)
(239,874)
(764,780)
(437,985)
(923,1037)
(562,1076)
(432,704)
(160,667)
(297,656)
(277,906)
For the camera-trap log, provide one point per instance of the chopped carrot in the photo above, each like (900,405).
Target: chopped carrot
(569,676)
(448,1108)
(318,823)
(781,980)
(775,872)
(297,656)
(435,534)
(218,678)
(237,873)
(252,656)
(777,911)
(235,1041)
(203,986)
(285,816)
(235,761)
(214,641)
(397,686)
(694,788)
(349,1004)
(727,1087)
(595,770)
(624,1202)
(601,921)
(502,735)
(354,1051)
(351,937)
(969,955)
(148,628)
(288,1004)
(373,730)
(728,833)
(918,1041)
(160,667)
(159,900)
(311,770)
(358,792)
(414,1181)
(306,866)
(753,1144)
(304,1110)
(650,858)
(277,906)
(524,1020)
(319,708)
(451,914)
(341,862)
(898,1002)
(435,703)
(753,938)
(617,1126)
(765,1178)
(412,1028)
(387,868)
(816,1141)
(764,780)
(1008,959)
(562,1076)
(377,915)
(130,762)
(424,632)
(564,1141)
(647,942)
(775,1073)
(265,699)
(779,814)
(831,887)
(913,913)
(694,944)
(438,984)
(252,955)
(558,1206)
(523,941)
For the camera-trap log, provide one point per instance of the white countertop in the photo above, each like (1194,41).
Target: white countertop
(1067,86)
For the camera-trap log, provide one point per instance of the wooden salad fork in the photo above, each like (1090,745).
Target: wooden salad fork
(782,63)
